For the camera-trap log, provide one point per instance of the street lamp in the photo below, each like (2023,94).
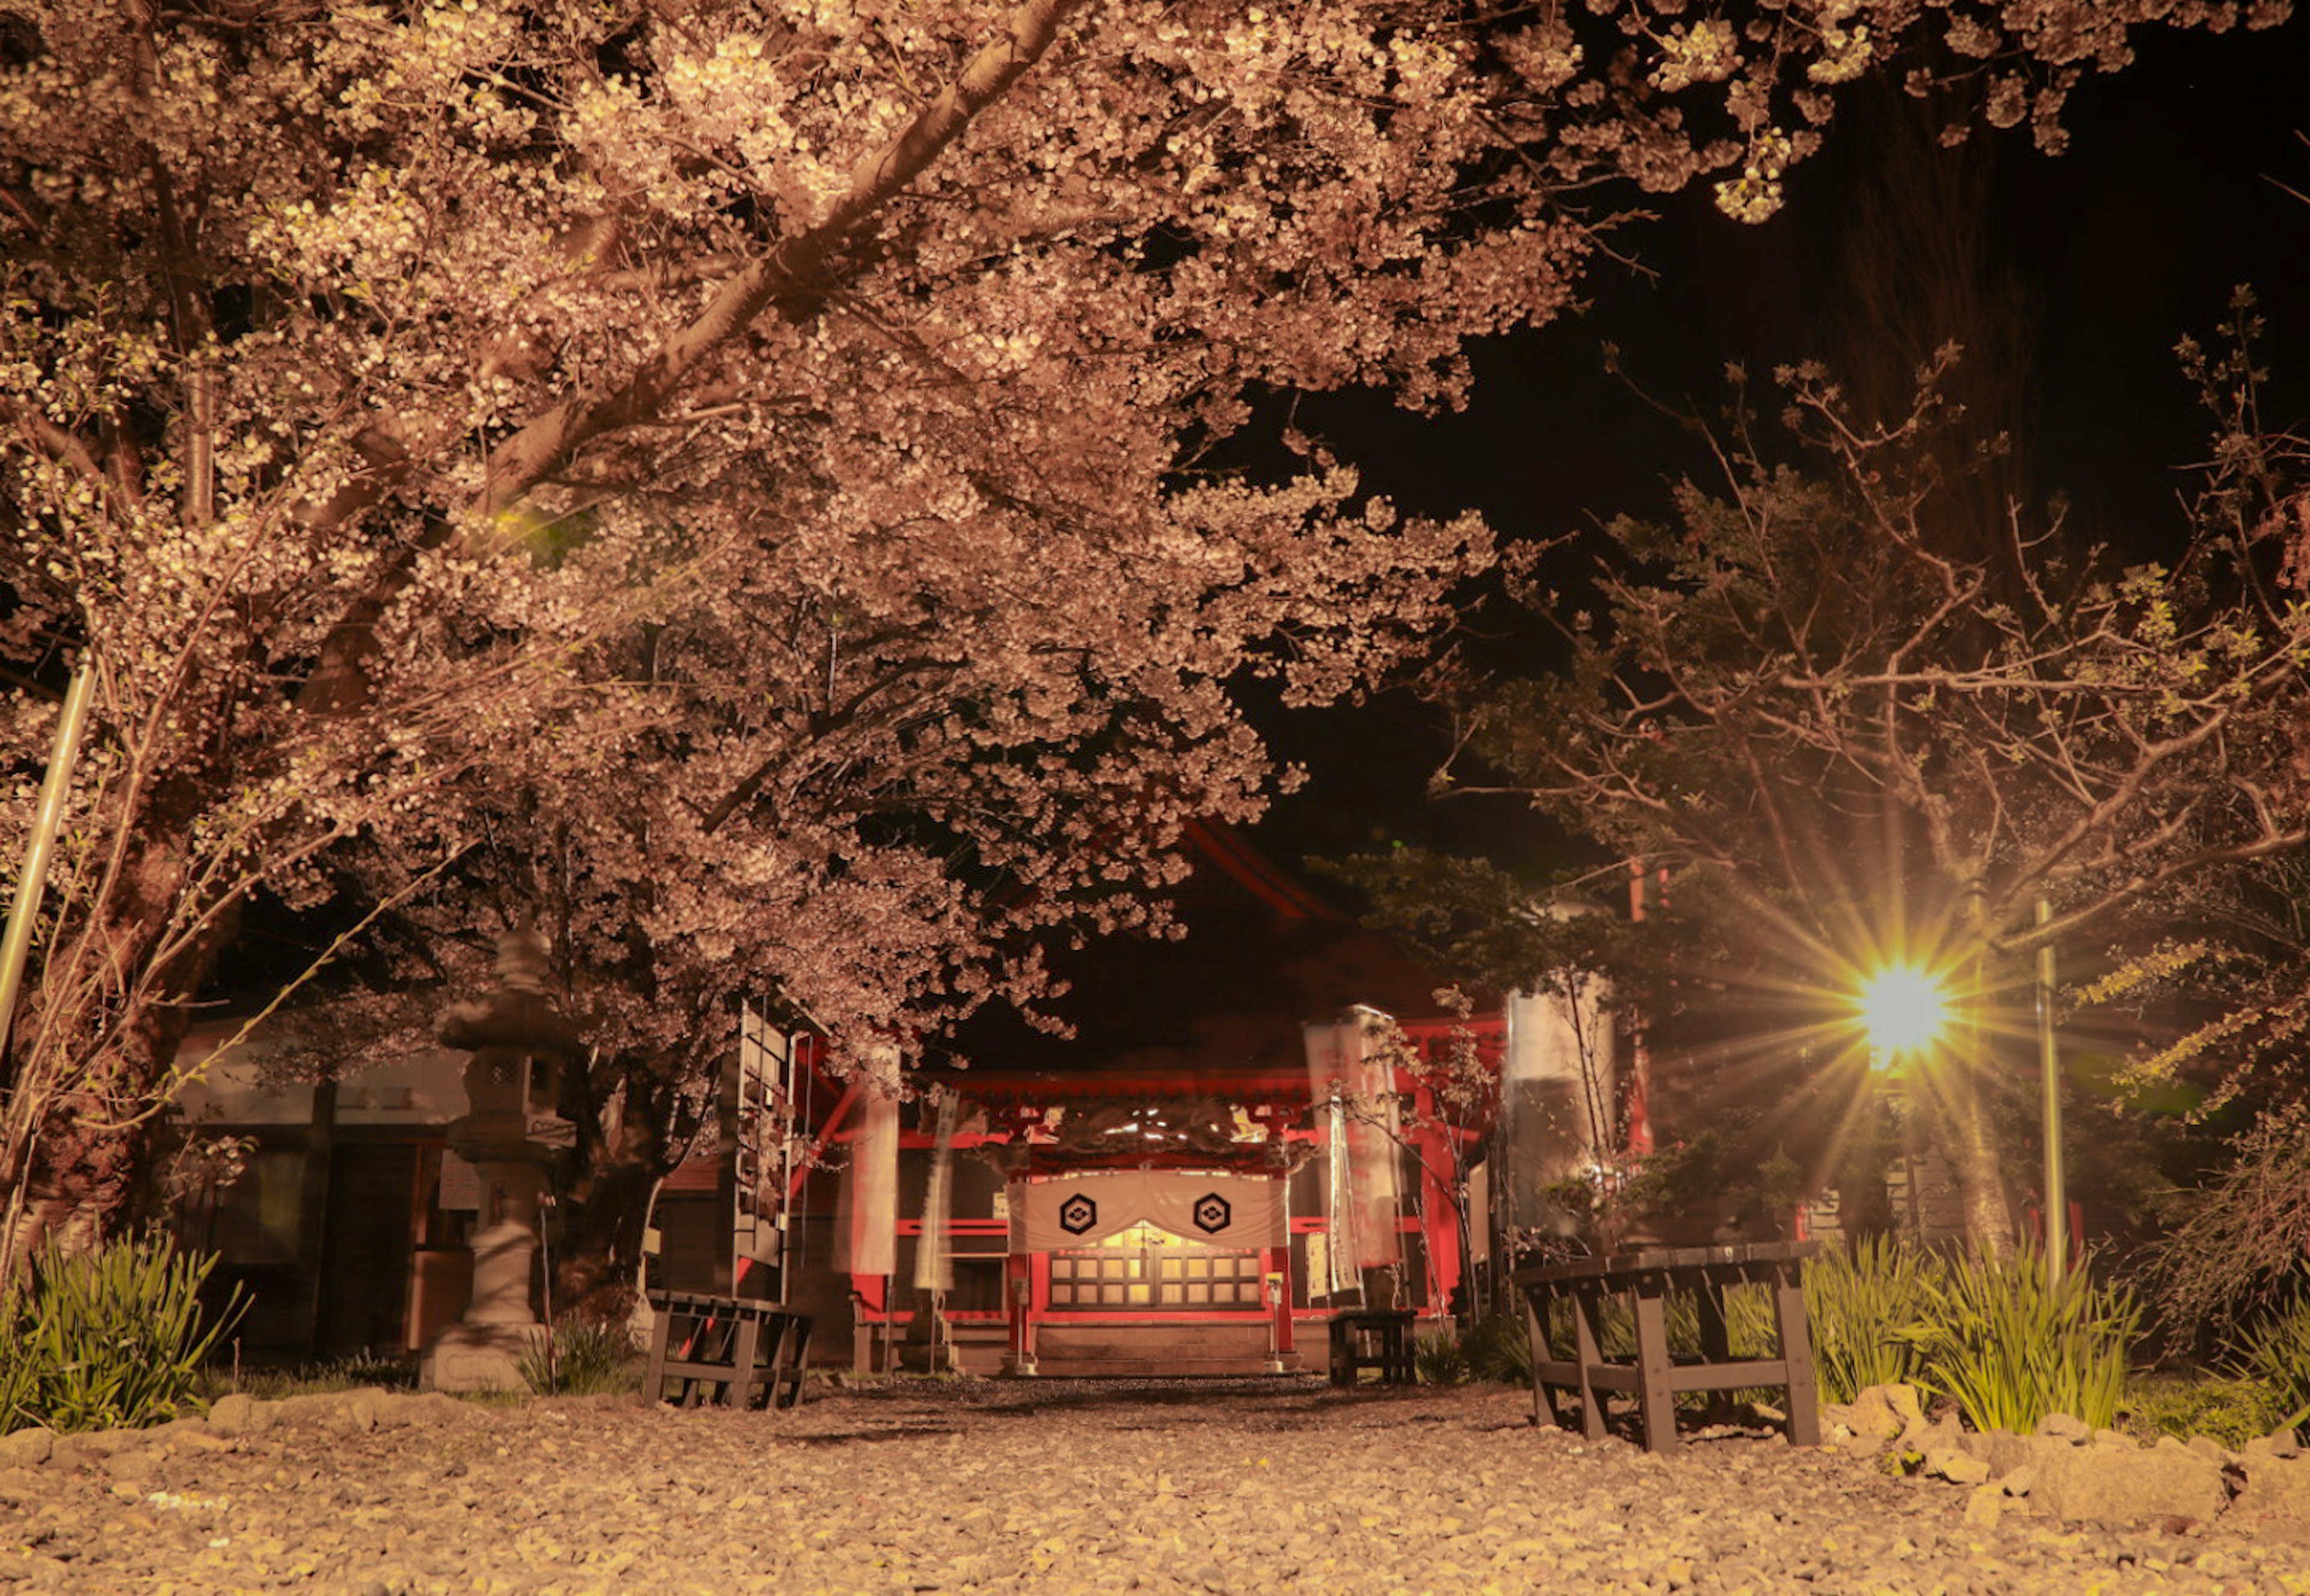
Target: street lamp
(1904,1009)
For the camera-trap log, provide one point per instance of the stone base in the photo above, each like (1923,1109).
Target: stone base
(479,1358)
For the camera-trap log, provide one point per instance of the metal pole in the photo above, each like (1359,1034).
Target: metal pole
(54,789)
(2057,1200)
(546,1202)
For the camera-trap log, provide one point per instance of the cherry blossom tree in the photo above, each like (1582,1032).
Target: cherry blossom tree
(881,773)
(406,402)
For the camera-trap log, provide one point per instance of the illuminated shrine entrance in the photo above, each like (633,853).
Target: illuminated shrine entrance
(1146,1224)
(1148,1267)
(1151,1270)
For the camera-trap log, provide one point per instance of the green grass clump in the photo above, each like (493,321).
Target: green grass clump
(2010,1346)
(2007,1345)
(355,1372)
(1499,1349)
(1859,1302)
(1615,1327)
(591,1357)
(2274,1351)
(1441,1359)
(113,1338)
(1492,1349)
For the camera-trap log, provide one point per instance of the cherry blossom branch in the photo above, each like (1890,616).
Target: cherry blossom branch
(796,266)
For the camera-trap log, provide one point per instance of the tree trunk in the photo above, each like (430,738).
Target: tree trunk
(79,1183)
(68,1171)
(1966,1135)
(599,1246)
(1864,1203)
(605,1209)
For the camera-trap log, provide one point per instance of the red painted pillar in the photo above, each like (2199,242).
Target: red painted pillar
(1019,1291)
(1275,1266)
(1440,1209)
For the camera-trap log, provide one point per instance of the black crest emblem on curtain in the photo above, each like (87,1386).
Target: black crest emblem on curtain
(1212,1214)
(1078,1214)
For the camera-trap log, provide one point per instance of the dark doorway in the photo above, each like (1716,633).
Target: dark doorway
(365,1255)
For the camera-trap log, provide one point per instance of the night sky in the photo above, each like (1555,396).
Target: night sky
(2164,203)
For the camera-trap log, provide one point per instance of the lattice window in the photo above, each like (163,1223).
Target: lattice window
(1146,1266)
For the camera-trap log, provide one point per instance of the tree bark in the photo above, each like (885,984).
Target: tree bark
(603,1212)
(1972,1149)
(81,1177)
(1864,1204)
(76,1128)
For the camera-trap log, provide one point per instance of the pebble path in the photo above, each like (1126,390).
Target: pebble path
(1057,1486)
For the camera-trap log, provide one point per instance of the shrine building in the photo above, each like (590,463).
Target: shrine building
(1237,1140)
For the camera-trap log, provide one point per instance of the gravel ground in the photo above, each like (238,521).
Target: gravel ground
(1056,1485)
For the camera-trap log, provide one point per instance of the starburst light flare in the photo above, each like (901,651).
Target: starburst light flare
(1904,1009)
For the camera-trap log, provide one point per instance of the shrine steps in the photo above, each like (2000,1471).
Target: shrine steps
(1090,1351)
(1159,1369)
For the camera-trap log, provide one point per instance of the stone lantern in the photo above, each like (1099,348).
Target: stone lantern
(511,1134)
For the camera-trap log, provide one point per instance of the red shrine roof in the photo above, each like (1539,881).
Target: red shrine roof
(1256,874)
(1027,1089)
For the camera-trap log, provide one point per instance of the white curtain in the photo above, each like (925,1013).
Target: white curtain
(1223,1210)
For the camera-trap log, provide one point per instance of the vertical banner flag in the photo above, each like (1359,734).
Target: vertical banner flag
(1352,1083)
(935,1248)
(1558,1091)
(866,1221)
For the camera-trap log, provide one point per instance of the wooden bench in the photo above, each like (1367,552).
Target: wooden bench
(1372,1339)
(1644,1279)
(725,1350)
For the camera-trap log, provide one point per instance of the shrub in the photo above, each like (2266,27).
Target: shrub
(1499,1349)
(591,1357)
(2274,1350)
(2233,1251)
(1751,1329)
(1616,1329)
(109,1339)
(2232,1411)
(1859,1302)
(1492,1348)
(2010,1346)
(1441,1359)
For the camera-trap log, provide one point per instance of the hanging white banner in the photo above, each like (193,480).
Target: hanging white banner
(934,1249)
(1239,1211)
(866,1216)
(1352,1083)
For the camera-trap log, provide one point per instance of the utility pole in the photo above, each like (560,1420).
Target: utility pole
(55,789)
(2057,1197)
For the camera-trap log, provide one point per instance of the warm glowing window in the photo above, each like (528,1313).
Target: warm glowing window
(1148,1267)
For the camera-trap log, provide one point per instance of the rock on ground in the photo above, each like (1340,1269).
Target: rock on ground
(1060,1485)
